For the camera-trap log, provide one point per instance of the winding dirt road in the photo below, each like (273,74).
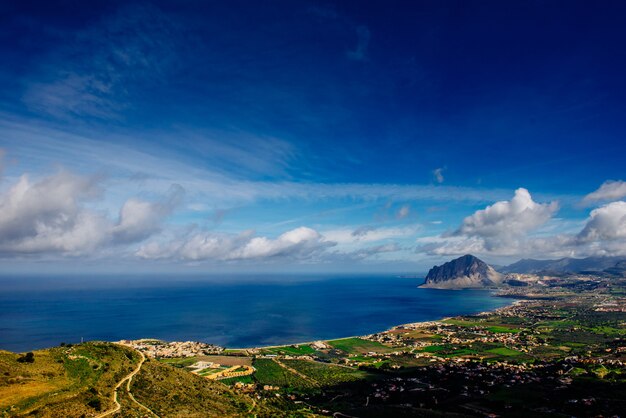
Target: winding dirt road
(128,379)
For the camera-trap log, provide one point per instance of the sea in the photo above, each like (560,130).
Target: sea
(234,311)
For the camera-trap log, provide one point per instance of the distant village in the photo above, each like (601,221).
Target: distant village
(175,349)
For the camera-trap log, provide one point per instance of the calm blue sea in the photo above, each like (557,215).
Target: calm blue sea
(231,310)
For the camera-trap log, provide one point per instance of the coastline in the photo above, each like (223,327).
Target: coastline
(414,324)
(430,305)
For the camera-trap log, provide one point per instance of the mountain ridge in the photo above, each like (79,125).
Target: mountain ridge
(566,265)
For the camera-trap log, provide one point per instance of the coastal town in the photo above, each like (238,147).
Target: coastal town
(566,335)
(561,334)
(174,349)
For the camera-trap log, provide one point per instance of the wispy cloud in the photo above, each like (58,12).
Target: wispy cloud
(610,190)
(438,175)
(403,212)
(360,51)
(365,234)
(217,185)
(91,73)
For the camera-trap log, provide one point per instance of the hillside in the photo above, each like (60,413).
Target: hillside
(463,272)
(63,381)
(79,381)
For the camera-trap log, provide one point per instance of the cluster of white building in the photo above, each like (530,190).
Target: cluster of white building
(164,349)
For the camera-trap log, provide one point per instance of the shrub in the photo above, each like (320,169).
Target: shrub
(95,403)
(27,358)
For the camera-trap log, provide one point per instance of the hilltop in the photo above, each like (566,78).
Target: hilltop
(464,272)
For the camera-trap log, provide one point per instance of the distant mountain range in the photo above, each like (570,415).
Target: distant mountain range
(470,272)
(568,265)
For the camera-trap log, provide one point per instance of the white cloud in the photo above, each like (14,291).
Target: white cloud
(403,212)
(610,190)
(139,219)
(438,175)
(508,218)
(605,223)
(47,215)
(51,215)
(501,228)
(368,234)
(298,243)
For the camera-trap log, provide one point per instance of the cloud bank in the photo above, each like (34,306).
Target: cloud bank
(300,243)
(51,215)
(508,228)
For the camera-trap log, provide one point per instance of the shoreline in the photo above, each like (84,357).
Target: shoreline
(418,323)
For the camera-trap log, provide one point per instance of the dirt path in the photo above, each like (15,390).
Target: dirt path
(128,379)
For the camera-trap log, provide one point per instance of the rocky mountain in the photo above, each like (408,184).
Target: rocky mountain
(462,273)
(567,265)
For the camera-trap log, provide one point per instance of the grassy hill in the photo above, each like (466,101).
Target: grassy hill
(79,381)
(63,381)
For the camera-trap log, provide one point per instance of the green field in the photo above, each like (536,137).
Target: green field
(326,374)
(359,346)
(503,351)
(268,372)
(299,350)
(433,348)
(498,328)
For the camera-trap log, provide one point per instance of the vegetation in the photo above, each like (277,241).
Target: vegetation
(294,350)
(172,392)
(571,345)
(325,374)
(359,346)
(179,362)
(269,372)
(62,381)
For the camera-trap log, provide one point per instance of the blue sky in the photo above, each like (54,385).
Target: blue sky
(309,136)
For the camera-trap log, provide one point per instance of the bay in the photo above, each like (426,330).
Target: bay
(227,310)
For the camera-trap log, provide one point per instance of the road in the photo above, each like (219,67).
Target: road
(128,379)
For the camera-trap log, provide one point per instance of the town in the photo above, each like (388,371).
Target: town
(566,335)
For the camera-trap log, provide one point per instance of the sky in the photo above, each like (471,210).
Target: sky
(309,136)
